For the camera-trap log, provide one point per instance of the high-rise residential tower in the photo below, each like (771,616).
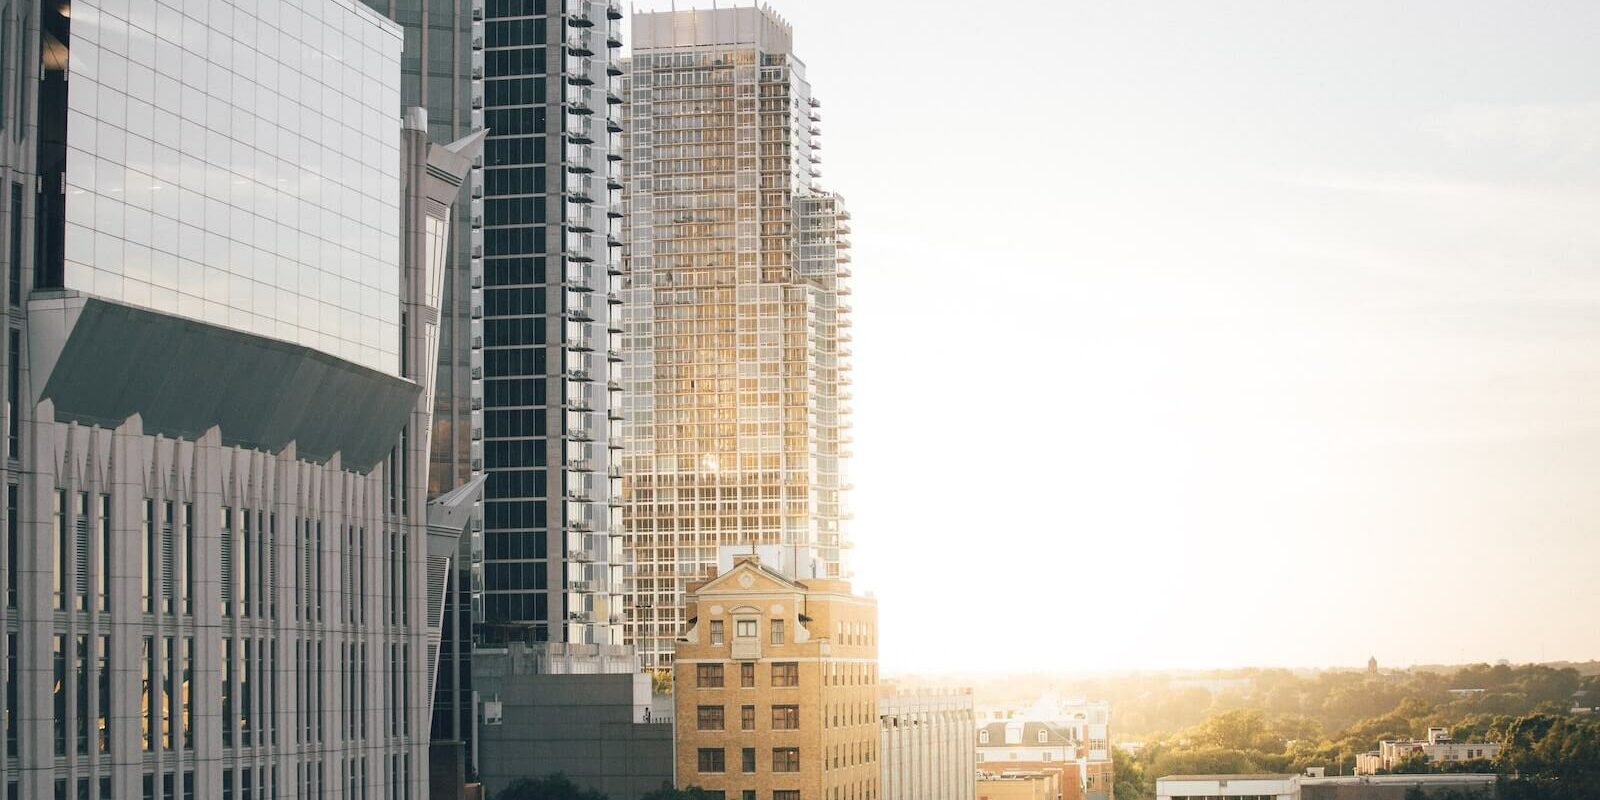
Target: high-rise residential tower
(545,324)
(224,267)
(736,321)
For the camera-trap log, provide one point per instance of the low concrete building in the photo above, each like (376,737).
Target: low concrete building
(1349,787)
(926,749)
(1396,787)
(582,710)
(1228,787)
(1018,786)
(1437,749)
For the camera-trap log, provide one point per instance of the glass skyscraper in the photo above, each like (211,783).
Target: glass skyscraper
(736,320)
(224,262)
(546,322)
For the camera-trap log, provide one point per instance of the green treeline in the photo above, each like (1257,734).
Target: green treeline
(1285,722)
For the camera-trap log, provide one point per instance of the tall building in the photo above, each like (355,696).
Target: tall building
(736,325)
(525,394)
(549,541)
(926,748)
(224,266)
(776,687)
(441,69)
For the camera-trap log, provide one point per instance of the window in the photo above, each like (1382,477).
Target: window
(1049,756)
(711,760)
(708,676)
(786,673)
(13,531)
(745,629)
(58,539)
(747,760)
(747,675)
(59,691)
(983,737)
(12,698)
(14,395)
(15,253)
(785,794)
(748,794)
(777,631)
(716,631)
(747,718)
(785,759)
(1043,737)
(709,718)
(785,718)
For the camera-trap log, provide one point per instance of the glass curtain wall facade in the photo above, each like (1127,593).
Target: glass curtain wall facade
(441,69)
(736,320)
(217,451)
(545,316)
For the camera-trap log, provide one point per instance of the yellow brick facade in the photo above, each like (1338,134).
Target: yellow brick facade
(776,692)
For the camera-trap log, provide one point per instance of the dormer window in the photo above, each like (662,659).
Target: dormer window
(1043,737)
(983,737)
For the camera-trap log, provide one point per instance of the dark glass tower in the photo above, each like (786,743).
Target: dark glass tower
(549,342)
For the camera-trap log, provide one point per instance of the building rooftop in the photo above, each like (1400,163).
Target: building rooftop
(1271,777)
(1029,735)
(1403,780)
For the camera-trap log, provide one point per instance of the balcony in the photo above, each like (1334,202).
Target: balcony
(575,253)
(576,373)
(578,74)
(579,401)
(581,524)
(579,103)
(580,187)
(578,434)
(580,42)
(580,218)
(578,307)
(579,494)
(580,130)
(578,14)
(584,617)
(580,159)
(580,464)
(580,556)
(580,277)
(613,356)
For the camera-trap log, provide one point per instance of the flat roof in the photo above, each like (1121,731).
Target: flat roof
(1271,777)
(1440,777)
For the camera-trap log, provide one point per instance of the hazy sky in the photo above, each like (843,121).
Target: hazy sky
(1220,333)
